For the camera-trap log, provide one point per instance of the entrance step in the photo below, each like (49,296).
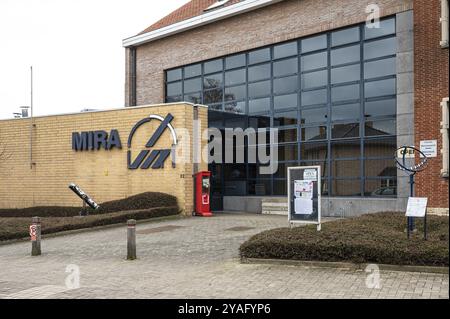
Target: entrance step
(274,206)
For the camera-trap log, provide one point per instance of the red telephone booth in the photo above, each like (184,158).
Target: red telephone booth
(202,187)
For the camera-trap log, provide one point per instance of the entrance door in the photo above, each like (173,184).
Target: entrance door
(216,203)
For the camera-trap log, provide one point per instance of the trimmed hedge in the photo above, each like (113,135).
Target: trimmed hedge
(136,202)
(17,227)
(373,238)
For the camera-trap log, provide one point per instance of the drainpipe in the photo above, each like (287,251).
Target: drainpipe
(132,78)
(31,119)
(444,23)
(444,132)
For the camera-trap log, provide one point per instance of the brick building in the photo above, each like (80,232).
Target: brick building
(344,82)
(343,91)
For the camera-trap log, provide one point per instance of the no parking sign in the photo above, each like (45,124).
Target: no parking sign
(33,232)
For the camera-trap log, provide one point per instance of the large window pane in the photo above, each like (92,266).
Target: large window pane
(343,93)
(173,75)
(314,61)
(259,89)
(193,85)
(235,107)
(285,67)
(235,77)
(345,112)
(345,36)
(375,49)
(380,108)
(314,43)
(286,136)
(192,71)
(174,89)
(314,133)
(345,130)
(259,121)
(235,93)
(314,97)
(380,88)
(193,98)
(345,74)
(285,118)
(343,168)
(380,187)
(380,147)
(259,56)
(316,115)
(280,187)
(314,151)
(285,50)
(213,81)
(259,72)
(213,66)
(380,167)
(287,152)
(212,96)
(285,85)
(259,105)
(285,101)
(379,68)
(345,55)
(374,128)
(235,188)
(235,61)
(385,27)
(259,187)
(314,79)
(346,149)
(345,187)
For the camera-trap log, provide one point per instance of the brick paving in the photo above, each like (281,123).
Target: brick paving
(197,259)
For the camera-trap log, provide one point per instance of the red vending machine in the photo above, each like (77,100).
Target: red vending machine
(202,188)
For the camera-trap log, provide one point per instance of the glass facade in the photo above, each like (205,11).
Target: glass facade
(332,96)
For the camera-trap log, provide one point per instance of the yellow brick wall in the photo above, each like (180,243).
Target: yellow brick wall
(103,174)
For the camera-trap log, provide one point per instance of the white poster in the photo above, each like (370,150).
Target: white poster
(303,206)
(417,207)
(310,174)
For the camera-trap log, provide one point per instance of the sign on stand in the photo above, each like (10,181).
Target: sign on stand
(304,185)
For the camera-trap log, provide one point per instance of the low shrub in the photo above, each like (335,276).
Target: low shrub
(136,202)
(374,238)
(17,227)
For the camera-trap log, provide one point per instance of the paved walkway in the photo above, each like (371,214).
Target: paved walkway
(187,258)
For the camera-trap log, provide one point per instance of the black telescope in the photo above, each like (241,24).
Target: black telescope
(85,197)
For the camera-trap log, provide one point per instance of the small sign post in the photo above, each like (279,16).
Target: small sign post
(35,236)
(417,207)
(405,159)
(304,195)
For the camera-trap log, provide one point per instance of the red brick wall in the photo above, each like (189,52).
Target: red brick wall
(430,86)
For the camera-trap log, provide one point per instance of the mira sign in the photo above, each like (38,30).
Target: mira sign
(96,140)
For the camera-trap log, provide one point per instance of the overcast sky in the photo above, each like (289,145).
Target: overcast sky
(75,47)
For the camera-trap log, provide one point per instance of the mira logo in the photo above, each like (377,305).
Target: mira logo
(154,158)
(148,157)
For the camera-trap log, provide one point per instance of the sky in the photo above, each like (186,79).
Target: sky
(75,48)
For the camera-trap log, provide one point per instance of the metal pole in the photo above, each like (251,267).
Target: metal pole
(131,239)
(36,239)
(31,118)
(411,184)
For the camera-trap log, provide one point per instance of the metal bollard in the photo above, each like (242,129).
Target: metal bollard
(131,239)
(35,234)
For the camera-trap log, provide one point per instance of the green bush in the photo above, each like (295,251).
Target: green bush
(17,227)
(374,238)
(136,202)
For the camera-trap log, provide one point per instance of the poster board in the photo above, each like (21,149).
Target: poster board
(417,207)
(304,184)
